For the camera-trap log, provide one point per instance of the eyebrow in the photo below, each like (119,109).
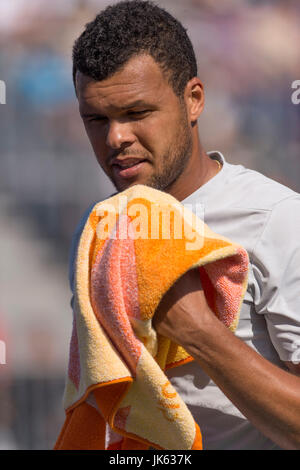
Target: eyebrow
(134,104)
(88,115)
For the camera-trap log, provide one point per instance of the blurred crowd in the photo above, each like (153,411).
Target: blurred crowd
(248,57)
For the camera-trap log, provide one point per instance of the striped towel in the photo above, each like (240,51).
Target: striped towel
(133,248)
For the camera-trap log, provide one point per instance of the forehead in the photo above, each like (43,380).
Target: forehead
(141,79)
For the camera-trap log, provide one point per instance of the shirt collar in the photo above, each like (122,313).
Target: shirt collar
(206,189)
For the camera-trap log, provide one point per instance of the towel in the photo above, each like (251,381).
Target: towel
(133,248)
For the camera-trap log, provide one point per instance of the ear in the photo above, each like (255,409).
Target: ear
(194,98)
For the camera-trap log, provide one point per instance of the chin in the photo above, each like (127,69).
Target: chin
(128,184)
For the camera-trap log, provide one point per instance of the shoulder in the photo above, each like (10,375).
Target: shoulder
(282,227)
(275,259)
(256,191)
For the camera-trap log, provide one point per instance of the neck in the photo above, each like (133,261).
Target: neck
(200,169)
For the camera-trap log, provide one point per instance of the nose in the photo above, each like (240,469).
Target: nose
(119,134)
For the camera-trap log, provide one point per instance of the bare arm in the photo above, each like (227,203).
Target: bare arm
(267,395)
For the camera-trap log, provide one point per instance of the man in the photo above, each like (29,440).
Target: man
(139,96)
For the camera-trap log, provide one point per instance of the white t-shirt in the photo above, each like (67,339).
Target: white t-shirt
(264,217)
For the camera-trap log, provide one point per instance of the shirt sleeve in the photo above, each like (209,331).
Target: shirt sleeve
(276,270)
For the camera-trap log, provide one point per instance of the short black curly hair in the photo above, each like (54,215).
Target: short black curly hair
(129,28)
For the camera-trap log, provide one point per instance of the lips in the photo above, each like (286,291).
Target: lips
(127,162)
(129,167)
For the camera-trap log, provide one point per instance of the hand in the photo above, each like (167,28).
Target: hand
(182,310)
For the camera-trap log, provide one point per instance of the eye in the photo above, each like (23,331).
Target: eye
(138,114)
(98,118)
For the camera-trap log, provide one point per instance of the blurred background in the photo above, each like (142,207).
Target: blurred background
(248,57)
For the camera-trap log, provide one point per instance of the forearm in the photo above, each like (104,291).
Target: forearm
(267,395)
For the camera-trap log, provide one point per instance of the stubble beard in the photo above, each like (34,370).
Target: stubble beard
(174,164)
(174,161)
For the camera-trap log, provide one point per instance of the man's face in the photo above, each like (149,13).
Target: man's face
(136,124)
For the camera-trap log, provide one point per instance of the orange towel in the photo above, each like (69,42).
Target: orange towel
(133,248)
